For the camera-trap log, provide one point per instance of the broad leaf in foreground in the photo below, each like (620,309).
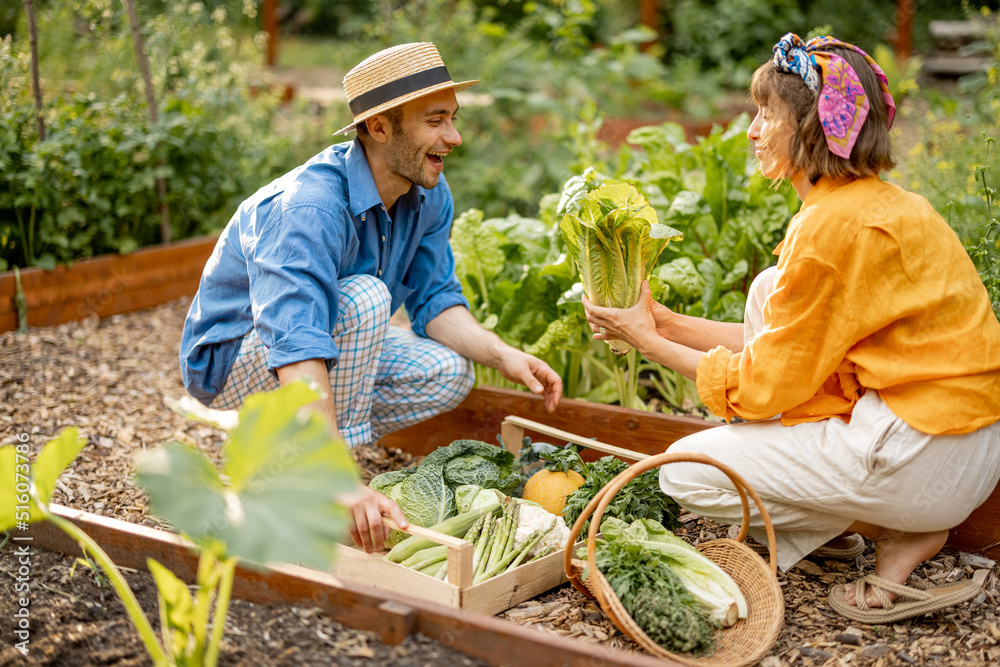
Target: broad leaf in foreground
(277,499)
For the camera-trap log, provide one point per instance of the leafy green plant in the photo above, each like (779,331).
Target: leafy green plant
(426,493)
(273,501)
(674,593)
(656,598)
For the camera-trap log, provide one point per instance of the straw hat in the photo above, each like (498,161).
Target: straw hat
(395,76)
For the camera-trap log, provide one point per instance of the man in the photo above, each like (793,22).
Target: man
(304,278)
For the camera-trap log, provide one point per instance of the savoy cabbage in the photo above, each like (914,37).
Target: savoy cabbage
(426,493)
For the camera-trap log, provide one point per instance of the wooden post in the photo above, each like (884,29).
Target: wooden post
(648,16)
(271,27)
(140,53)
(905,9)
(29,10)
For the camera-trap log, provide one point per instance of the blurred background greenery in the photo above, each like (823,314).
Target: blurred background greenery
(563,83)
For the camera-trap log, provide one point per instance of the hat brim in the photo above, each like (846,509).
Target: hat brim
(403,99)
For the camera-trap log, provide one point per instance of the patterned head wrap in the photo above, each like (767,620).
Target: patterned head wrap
(842,103)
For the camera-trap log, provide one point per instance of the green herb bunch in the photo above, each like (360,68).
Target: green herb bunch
(655,597)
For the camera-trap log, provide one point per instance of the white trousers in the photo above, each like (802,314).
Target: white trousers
(818,478)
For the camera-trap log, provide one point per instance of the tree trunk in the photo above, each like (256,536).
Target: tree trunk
(140,52)
(271,27)
(905,9)
(29,10)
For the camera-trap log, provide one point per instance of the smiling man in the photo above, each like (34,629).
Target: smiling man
(305,277)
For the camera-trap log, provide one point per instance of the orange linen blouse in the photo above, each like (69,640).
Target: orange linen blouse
(873,291)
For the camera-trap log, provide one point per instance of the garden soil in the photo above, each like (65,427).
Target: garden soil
(109,378)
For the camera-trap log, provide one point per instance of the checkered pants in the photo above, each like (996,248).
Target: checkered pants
(388,378)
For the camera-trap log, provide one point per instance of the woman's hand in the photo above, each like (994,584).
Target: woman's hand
(641,326)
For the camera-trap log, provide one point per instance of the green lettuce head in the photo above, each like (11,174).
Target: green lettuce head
(613,236)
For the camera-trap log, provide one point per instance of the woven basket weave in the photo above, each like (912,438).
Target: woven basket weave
(743,643)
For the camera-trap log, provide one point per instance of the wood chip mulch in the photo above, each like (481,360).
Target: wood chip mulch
(109,378)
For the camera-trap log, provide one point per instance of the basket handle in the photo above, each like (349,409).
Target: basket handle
(599,503)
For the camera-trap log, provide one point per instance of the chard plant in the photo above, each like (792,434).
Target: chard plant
(521,283)
(273,500)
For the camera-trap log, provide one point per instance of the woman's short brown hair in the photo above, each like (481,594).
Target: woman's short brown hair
(787,93)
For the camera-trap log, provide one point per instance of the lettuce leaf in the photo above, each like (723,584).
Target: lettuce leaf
(613,236)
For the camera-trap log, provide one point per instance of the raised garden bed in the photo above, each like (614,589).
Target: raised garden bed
(105,285)
(394,615)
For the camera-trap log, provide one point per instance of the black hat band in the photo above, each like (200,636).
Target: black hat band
(396,89)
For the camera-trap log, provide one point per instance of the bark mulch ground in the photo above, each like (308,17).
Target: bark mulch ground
(109,378)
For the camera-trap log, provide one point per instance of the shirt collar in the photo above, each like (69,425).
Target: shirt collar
(824,186)
(361,184)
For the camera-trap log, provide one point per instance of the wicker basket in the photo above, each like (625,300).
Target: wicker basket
(743,643)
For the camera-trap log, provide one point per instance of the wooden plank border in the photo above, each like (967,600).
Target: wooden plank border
(395,616)
(481,414)
(106,285)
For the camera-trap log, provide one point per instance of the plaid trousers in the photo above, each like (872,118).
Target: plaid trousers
(387,378)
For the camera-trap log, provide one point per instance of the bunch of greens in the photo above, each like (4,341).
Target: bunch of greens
(673,592)
(711,586)
(493,530)
(641,498)
(655,597)
(426,493)
(613,237)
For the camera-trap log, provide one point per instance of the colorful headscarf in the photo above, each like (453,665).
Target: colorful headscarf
(842,104)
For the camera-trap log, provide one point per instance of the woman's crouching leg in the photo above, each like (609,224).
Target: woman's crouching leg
(752,452)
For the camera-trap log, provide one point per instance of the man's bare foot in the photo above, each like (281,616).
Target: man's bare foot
(897,555)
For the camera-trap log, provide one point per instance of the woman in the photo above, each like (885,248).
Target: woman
(869,362)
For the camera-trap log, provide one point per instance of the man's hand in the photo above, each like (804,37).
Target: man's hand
(367,507)
(533,373)
(457,329)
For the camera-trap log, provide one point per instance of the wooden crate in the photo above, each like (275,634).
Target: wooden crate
(493,595)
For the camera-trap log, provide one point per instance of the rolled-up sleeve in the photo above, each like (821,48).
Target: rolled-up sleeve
(432,274)
(293,284)
(788,363)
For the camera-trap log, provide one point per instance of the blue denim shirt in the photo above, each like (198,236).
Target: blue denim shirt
(276,265)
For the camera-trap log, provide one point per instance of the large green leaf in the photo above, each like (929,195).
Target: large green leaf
(184,488)
(284,472)
(8,493)
(19,477)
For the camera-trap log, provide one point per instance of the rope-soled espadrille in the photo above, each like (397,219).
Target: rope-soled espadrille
(909,603)
(856,548)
